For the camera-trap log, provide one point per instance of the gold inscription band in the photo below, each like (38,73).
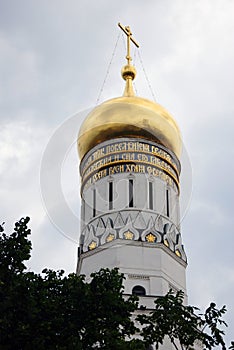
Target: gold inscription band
(120,147)
(132,158)
(120,167)
(129,157)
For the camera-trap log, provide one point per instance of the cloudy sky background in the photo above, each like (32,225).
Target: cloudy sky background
(54,56)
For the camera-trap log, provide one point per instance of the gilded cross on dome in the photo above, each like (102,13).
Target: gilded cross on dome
(128,32)
(128,72)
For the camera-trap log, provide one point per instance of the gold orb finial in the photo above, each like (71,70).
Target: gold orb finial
(128,72)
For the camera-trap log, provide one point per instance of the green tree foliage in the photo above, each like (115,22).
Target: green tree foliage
(183,324)
(54,311)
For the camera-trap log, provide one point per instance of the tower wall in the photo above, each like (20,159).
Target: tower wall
(130,215)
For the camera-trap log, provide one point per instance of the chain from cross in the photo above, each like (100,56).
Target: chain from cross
(128,32)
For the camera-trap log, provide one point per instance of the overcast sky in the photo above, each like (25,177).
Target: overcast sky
(54,56)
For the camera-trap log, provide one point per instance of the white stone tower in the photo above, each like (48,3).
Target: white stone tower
(129,149)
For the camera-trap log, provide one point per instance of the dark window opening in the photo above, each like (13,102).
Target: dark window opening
(138,290)
(130,192)
(167,203)
(151,205)
(83,209)
(111,195)
(94,202)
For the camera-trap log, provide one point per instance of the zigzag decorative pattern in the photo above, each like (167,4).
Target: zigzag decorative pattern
(132,225)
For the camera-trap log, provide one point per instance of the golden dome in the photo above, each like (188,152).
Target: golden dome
(129,116)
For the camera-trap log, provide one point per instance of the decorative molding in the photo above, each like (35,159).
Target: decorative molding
(151,230)
(90,239)
(139,222)
(132,225)
(119,222)
(109,233)
(100,227)
(138,277)
(128,230)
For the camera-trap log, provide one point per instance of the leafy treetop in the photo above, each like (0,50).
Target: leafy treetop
(54,311)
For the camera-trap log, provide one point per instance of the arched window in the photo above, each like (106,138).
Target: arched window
(130,193)
(167,203)
(110,195)
(150,197)
(138,290)
(94,202)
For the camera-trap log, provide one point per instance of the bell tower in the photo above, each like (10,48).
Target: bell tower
(130,168)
